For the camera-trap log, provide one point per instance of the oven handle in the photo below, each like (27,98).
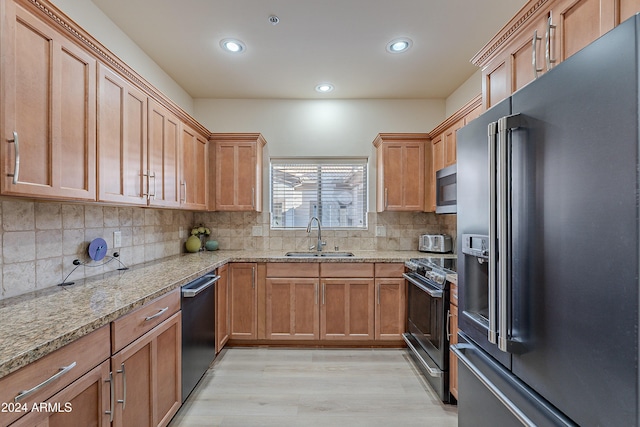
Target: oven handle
(434,292)
(434,372)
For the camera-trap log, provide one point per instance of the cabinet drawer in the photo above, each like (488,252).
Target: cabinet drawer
(346,269)
(389,269)
(69,363)
(131,326)
(293,269)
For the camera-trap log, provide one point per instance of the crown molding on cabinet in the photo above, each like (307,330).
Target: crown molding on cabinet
(76,33)
(461,113)
(528,11)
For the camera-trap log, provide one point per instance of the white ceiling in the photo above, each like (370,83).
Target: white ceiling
(340,41)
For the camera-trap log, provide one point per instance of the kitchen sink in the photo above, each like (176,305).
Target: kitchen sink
(319,254)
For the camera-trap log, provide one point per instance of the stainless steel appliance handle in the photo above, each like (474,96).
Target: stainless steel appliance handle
(492,335)
(44,383)
(190,293)
(460,350)
(448,329)
(16,160)
(505,124)
(434,372)
(503,248)
(547,50)
(112,397)
(158,314)
(124,386)
(534,55)
(434,292)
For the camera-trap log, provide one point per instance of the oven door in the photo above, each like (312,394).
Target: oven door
(426,336)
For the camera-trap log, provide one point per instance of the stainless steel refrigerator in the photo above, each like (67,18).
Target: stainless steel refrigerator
(548,246)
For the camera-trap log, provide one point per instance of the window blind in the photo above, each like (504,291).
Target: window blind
(334,191)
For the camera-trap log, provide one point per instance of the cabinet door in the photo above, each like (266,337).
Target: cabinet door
(453,359)
(391,308)
(163,156)
(122,140)
(403,176)
(626,9)
(49,110)
(292,310)
(578,23)
(147,377)
(222,308)
(525,67)
(347,309)
(496,80)
(449,141)
(193,184)
(236,187)
(85,402)
(243,303)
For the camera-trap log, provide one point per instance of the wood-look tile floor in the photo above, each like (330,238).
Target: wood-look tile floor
(314,387)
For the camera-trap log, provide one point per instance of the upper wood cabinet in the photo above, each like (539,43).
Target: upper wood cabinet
(122,140)
(237,171)
(163,156)
(194,164)
(48,110)
(540,36)
(444,146)
(400,160)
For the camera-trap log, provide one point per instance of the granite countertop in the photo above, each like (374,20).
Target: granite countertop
(38,323)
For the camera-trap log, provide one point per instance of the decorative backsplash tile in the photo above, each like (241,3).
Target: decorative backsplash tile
(40,240)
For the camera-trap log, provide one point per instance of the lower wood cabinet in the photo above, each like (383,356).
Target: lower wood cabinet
(77,373)
(292,311)
(453,339)
(85,402)
(347,309)
(391,301)
(243,301)
(222,308)
(147,377)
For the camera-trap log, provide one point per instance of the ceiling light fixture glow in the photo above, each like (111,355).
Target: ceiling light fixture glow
(399,45)
(324,87)
(233,45)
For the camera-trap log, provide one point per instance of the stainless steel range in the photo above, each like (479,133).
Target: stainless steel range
(427,312)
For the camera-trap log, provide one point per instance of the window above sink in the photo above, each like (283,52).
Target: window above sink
(332,189)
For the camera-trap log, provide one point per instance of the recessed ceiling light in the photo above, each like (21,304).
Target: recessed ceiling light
(399,45)
(233,45)
(324,87)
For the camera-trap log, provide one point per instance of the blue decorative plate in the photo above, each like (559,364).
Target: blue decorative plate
(97,249)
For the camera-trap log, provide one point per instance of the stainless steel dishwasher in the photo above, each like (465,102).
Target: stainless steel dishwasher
(198,330)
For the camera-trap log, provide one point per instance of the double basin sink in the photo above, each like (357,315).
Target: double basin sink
(319,254)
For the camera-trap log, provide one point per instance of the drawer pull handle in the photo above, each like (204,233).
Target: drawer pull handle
(51,379)
(158,314)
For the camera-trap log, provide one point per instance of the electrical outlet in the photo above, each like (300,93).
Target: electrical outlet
(381,231)
(117,239)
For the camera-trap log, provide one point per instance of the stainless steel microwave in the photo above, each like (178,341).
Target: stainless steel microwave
(446,190)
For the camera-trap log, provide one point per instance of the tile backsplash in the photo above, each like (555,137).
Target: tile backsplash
(397,231)
(40,240)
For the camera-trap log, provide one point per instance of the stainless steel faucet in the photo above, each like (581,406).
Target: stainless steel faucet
(320,243)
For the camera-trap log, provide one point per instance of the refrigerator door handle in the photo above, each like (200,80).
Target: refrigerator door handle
(460,350)
(505,124)
(492,135)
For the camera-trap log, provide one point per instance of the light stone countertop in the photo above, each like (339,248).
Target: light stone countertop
(36,324)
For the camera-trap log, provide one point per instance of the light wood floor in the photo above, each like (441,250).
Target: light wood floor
(314,387)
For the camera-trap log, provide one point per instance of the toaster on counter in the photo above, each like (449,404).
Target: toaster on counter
(440,243)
